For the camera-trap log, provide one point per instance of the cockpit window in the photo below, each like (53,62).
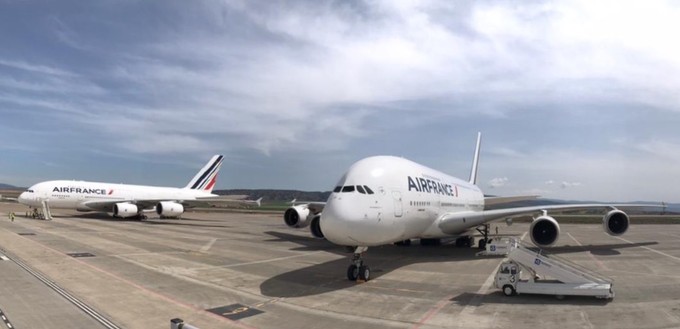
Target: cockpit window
(348,188)
(29,191)
(368,190)
(337,189)
(361,189)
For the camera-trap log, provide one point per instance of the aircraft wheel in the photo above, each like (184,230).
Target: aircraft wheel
(352,272)
(403,243)
(364,273)
(482,244)
(508,290)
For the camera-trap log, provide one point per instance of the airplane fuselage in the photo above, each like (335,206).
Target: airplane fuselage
(407,201)
(64,194)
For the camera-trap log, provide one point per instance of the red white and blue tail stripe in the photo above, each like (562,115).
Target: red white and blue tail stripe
(206,178)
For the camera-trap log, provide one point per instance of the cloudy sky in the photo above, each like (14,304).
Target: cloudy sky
(575,99)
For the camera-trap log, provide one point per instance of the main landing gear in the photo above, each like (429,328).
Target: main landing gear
(357,269)
(484,231)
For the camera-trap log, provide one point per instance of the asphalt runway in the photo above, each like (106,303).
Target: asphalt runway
(235,270)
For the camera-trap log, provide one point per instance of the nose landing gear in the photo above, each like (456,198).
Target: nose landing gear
(357,270)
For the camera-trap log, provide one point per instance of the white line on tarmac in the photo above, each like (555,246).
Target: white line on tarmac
(208,245)
(599,263)
(269,260)
(650,249)
(584,317)
(465,318)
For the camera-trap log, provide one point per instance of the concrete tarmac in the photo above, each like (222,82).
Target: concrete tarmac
(234,270)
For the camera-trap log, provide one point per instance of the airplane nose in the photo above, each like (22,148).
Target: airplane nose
(344,223)
(22,198)
(334,225)
(26,198)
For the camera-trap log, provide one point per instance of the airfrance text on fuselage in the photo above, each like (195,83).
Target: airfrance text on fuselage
(427,185)
(79,190)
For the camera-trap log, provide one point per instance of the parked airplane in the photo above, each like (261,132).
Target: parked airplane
(386,199)
(127,200)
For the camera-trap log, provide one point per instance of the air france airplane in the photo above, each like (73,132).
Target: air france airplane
(385,199)
(126,200)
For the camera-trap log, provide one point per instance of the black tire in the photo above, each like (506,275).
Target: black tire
(482,244)
(509,290)
(352,272)
(364,273)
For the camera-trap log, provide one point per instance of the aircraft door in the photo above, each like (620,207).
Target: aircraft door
(398,210)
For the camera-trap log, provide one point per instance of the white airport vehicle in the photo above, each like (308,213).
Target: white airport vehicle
(548,275)
(499,246)
(386,199)
(124,200)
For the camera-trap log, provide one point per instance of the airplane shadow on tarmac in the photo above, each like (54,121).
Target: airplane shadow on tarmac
(154,221)
(497,297)
(330,276)
(600,250)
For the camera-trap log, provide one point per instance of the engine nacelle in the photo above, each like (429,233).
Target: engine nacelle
(544,231)
(298,216)
(124,210)
(616,222)
(315,227)
(169,209)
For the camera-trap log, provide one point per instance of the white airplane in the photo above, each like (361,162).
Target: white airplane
(385,199)
(127,200)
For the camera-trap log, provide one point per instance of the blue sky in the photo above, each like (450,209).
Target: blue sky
(576,99)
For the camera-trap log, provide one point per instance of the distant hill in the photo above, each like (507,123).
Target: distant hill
(9,187)
(270,195)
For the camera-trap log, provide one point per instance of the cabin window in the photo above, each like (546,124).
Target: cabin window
(368,190)
(348,188)
(337,189)
(361,189)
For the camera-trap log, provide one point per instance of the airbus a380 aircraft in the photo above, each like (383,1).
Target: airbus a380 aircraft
(385,199)
(127,200)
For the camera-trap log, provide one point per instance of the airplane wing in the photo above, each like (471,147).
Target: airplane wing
(315,206)
(450,223)
(218,201)
(149,204)
(107,206)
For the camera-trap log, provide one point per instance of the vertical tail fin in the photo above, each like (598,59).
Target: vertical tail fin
(475,160)
(205,179)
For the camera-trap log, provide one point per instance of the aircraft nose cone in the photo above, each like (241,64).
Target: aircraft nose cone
(22,198)
(334,225)
(344,223)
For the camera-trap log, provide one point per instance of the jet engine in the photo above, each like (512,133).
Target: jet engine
(124,210)
(169,209)
(615,222)
(544,231)
(315,227)
(298,216)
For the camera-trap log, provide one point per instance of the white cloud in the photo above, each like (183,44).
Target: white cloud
(498,182)
(569,184)
(321,78)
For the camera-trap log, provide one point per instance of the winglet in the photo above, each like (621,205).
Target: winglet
(475,160)
(205,179)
